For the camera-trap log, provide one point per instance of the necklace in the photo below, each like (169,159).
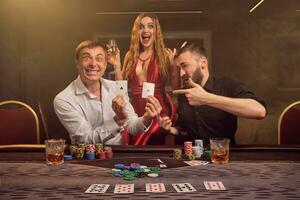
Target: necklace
(144,60)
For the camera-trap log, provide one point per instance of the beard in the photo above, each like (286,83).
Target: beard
(197,76)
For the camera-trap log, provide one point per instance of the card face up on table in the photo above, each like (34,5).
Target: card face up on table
(124,188)
(155,187)
(214,185)
(183,187)
(97,188)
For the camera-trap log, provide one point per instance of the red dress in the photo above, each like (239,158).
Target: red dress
(155,135)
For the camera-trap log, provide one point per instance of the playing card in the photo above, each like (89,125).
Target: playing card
(124,188)
(214,185)
(148,89)
(97,188)
(196,162)
(183,187)
(155,187)
(121,88)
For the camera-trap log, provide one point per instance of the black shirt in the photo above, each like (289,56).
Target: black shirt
(204,122)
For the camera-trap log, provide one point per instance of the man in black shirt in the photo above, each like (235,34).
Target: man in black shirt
(208,106)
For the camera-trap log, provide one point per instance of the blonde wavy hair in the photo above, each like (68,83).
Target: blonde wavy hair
(136,47)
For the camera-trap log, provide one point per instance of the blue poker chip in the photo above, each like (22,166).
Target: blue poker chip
(118,175)
(68,157)
(90,155)
(119,166)
(135,167)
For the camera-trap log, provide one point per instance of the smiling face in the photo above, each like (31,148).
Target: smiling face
(91,64)
(146,32)
(190,65)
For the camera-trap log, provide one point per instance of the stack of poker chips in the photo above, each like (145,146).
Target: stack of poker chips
(90,151)
(188,150)
(100,151)
(108,152)
(77,151)
(177,153)
(99,147)
(199,143)
(196,152)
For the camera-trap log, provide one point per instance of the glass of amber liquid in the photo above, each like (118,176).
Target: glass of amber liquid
(55,151)
(219,150)
(112,43)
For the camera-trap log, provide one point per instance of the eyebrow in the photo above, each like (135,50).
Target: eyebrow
(181,64)
(151,23)
(85,53)
(100,54)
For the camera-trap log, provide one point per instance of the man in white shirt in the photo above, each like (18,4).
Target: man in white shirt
(89,108)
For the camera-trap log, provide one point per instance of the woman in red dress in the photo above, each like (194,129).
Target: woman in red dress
(148,61)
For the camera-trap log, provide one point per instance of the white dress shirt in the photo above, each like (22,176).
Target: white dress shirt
(89,120)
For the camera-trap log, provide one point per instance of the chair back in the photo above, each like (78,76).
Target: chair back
(289,125)
(19,123)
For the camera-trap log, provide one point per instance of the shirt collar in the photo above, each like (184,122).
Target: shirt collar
(81,89)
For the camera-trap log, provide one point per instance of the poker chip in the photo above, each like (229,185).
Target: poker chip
(90,148)
(119,166)
(109,154)
(107,149)
(90,155)
(153,175)
(146,170)
(143,166)
(101,155)
(207,155)
(129,178)
(188,148)
(116,170)
(177,153)
(99,147)
(134,167)
(134,164)
(155,169)
(191,157)
(118,175)
(68,157)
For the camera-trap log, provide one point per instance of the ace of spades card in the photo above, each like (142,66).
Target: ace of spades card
(121,88)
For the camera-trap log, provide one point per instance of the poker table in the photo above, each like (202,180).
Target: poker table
(254,172)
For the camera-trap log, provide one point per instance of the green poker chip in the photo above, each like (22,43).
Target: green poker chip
(128,178)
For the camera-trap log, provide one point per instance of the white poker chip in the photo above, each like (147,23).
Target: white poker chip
(153,175)
(143,166)
(146,170)
(115,170)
